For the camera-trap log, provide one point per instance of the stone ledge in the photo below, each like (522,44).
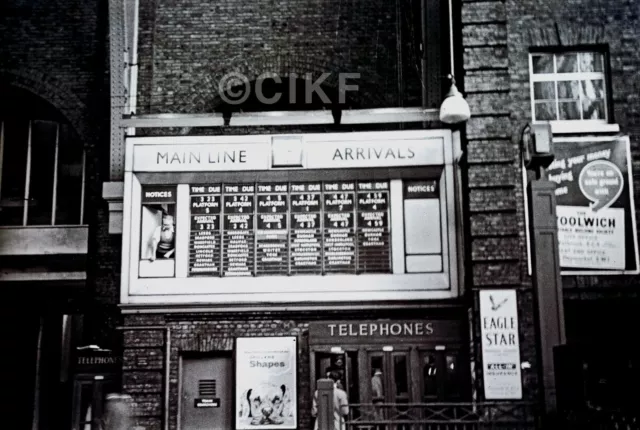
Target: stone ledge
(113,193)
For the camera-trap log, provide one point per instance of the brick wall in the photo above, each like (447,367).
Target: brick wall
(583,22)
(495,204)
(187,46)
(144,355)
(496,37)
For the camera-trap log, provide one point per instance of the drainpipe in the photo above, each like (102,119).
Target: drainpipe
(167,362)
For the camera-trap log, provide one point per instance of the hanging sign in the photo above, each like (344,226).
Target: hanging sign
(266,383)
(595,208)
(500,345)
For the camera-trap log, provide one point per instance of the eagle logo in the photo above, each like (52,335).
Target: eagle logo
(495,306)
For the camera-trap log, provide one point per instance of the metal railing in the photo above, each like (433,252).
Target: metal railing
(442,416)
(601,419)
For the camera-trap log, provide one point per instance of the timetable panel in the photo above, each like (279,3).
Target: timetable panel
(288,229)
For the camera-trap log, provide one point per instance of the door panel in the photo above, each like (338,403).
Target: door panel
(391,386)
(441,377)
(347,366)
(394,379)
(89,398)
(206,398)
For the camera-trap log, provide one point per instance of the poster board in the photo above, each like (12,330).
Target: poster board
(597,232)
(500,345)
(266,383)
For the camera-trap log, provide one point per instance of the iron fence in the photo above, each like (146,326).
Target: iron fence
(442,416)
(601,419)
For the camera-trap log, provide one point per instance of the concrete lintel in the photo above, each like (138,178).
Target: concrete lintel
(44,240)
(33,276)
(348,116)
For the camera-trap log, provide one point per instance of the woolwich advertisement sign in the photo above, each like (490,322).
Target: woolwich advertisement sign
(266,383)
(595,208)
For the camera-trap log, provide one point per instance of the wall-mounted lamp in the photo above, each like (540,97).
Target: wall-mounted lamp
(454,108)
(536,143)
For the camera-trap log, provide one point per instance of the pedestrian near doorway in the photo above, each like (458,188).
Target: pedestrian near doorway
(118,412)
(377,396)
(340,404)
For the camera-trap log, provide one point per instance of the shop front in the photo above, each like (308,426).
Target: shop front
(253,265)
(393,361)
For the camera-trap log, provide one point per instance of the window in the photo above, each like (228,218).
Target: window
(42,165)
(569,86)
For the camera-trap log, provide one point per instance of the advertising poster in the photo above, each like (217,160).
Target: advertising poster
(500,345)
(595,209)
(266,383)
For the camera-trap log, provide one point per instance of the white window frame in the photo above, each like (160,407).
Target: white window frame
(574,125)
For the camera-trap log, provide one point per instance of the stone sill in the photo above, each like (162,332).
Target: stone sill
(44,240)
(113,193)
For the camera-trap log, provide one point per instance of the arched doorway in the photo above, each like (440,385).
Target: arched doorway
(42,163)
(41,187)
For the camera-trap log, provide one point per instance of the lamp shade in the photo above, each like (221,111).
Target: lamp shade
(454,108)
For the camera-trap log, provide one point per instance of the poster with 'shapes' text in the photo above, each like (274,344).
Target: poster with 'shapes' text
(500,344)
(266,383)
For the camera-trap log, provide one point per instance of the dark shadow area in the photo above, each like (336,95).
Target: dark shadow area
(19,103)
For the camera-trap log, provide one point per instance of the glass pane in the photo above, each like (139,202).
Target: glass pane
(542,63)
(593,109)
(569,110)
(567,63)
(422,237)
(593,89)
(544,90)
(429,376)
(377,382)
(400,375)
(13,171)
(545,111)
(568,90)
(43,146)
(86,397)
(69,178)
(453,383)
(591,62)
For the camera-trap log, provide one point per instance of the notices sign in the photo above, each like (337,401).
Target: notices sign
(266,383)
(500,344)
(596,217)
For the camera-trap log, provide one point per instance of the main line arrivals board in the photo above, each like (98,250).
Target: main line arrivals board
(297,228)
